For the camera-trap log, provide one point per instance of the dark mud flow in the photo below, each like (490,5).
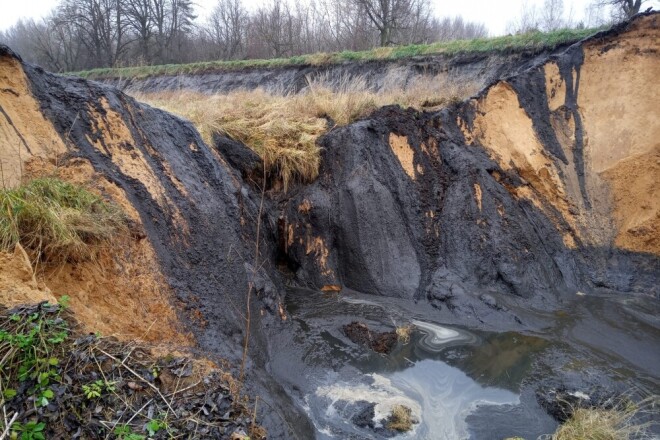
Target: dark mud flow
(481,196)
(476,383)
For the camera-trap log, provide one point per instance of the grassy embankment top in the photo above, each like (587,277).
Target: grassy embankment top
(535,41)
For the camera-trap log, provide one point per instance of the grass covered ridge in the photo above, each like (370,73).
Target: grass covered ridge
(283,128)
(56,221)
(535,41)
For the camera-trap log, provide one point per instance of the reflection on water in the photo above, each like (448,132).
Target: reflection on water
(444,374)
(436,338)
(440,396)
(459,383)
(500,359)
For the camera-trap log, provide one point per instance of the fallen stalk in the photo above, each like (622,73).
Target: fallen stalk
(130,370)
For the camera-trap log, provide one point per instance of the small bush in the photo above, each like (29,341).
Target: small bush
(56,221)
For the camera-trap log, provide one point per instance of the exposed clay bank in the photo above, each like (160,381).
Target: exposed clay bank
(486,216)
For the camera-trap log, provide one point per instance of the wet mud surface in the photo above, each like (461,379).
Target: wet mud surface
(462,380)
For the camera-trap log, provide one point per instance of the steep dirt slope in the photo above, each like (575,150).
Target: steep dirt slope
(187,266)
(545,182)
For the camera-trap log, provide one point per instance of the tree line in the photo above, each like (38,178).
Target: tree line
(552,15)
(86,34)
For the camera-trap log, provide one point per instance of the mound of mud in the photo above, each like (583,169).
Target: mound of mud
(546,182)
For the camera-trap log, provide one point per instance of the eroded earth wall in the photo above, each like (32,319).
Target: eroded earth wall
(376,75)
(188,264)
(546,182)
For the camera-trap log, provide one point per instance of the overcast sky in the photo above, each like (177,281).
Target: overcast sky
(495,14)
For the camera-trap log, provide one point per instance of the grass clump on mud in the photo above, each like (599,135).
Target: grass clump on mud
(59,383)
(532,42)
(609,421)
(400,419)
(282,128)
(56,221)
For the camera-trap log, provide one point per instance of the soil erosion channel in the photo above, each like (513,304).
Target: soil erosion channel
(502,254)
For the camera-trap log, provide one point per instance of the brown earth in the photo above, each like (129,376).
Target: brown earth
(617,104)
(18,285)
(24,131)
(121,292)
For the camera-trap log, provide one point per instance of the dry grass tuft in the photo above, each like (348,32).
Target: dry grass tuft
(400,419)
(56,221)
(283,127)
(403,333)
(280,131)
(616,423)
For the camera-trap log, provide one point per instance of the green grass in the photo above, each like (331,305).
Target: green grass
(535,41)
(55,220)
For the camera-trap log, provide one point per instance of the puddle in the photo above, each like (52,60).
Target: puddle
(458,383)
(439,395)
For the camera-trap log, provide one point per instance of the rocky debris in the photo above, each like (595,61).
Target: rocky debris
(364,418)
(360,333)
(71,385)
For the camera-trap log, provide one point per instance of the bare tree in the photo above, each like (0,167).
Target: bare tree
(623,9)
(552,15)
(140,20)
(389,16)
(226,27)
(100,25)
(527,20)
(84,34)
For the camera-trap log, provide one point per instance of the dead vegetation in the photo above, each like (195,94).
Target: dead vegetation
(282,128)
(400,419)
(403,333)
(59,383)
(618,419)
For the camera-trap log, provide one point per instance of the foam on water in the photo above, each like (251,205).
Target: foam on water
(439,395)
(437,337)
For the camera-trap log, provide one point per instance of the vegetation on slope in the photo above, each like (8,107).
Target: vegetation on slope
(532,42)
(283,128)
(56,382)
(56,221)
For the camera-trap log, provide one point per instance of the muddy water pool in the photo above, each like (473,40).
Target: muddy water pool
(459,383)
